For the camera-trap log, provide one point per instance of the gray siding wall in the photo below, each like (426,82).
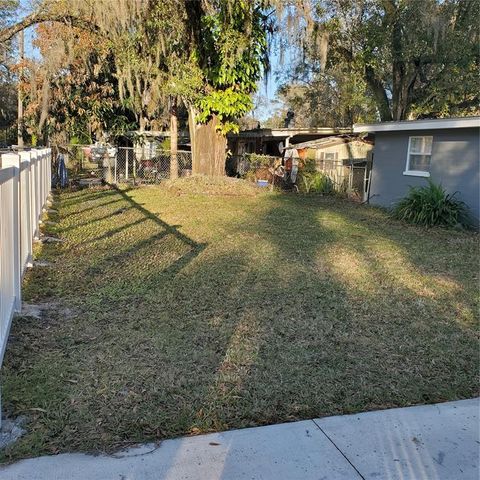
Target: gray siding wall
(455,164)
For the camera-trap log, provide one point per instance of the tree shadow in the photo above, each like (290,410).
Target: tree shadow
(368,333)
(290,307)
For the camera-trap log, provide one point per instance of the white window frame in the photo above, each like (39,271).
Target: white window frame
(418,173)
(335,156)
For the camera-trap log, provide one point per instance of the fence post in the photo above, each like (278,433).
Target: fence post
(44,178)
(350,176)
(38,190)
(49,171)
(13,160)
(34,193)
(40,183)
(26,232)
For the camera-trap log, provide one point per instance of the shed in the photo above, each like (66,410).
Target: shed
(341,149)
(407,153)
(345,159)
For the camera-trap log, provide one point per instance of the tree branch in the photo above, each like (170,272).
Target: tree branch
(374,84)
(36,18)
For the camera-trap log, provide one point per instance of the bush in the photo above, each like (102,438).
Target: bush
(257,160)
(314,182)
(431,206)
(310,180)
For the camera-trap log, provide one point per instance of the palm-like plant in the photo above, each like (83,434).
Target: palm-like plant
(430,206)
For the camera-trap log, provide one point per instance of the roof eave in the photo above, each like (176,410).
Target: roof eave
(429,124)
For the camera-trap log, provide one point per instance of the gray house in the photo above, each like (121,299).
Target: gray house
(409,152)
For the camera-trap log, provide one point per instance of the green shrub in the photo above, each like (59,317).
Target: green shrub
(431,206)
(309,166)
(314,182)
(257,160)
(165,144)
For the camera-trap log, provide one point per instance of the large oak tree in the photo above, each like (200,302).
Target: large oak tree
(207,53)
(415,57)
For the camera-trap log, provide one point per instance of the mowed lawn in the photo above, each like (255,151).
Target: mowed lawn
(167,313)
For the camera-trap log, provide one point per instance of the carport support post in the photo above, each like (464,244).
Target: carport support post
(350,176)
(134,162)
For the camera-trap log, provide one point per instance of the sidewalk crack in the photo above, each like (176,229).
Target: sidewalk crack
(343,455)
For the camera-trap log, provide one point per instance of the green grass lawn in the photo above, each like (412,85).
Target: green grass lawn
(167,313)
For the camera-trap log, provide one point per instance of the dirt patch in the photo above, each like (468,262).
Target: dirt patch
(47,310)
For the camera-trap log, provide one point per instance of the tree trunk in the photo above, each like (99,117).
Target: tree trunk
(20,95)
(44,111)
(399,93)
(379,94)
(208,147)
(173,140)
(403,77)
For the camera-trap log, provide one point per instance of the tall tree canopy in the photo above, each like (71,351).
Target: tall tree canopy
(8,87)
(229,45)
(353,60)
(207,53)
(71,91)
(411,57)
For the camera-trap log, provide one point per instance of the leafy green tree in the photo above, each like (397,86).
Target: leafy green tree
(335,98)
(71,92)
(8,80)
(411,57)
(229,39)
(207,53)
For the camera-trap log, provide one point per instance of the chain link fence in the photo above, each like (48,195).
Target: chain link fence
(130,164)
(117,165)
(350,176)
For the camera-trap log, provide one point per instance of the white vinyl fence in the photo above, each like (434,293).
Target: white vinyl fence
(25,182)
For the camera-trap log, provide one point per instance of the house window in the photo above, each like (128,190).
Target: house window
(327,160)
(419,156)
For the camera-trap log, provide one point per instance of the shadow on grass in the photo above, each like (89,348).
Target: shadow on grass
(302,307)
(89,222)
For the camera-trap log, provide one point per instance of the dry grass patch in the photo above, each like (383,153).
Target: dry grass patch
(199,184)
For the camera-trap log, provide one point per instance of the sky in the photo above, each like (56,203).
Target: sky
(270,88)
(266,109)
(30,50)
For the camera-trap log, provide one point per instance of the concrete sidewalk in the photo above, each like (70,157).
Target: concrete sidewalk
(418,443)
